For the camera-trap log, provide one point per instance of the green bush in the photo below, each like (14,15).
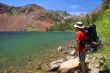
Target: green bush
(103,29)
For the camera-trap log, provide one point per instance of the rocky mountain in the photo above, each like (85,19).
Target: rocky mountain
(28,18)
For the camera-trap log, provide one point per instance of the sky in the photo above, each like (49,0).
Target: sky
(74,7)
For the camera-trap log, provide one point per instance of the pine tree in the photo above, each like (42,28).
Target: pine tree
(105,4)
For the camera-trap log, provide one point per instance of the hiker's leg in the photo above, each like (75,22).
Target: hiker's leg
(83,66)
(82,61)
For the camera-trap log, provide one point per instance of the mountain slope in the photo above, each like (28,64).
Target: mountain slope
(27,18)
(22,18)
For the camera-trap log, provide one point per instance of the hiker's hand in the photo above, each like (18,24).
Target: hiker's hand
(94,44)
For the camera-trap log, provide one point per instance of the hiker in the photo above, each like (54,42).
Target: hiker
(80,46)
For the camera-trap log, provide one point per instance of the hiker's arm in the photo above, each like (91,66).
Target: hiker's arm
(77,46)
(77,42)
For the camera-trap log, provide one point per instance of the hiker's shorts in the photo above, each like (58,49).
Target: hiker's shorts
(82,56)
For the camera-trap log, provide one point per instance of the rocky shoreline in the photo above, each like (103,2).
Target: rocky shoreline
(63,60)
(70,64)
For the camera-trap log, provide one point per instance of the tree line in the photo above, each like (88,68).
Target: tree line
(93,16)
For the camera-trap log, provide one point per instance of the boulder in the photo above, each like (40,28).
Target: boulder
(94,70)
(70,57)
(59,48)
(73,52)
(53,66)
(69,65)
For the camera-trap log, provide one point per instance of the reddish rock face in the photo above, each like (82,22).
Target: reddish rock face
(26,18)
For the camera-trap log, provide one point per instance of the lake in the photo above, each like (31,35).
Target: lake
(16,46)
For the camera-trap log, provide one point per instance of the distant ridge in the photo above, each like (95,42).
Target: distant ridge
(30,17)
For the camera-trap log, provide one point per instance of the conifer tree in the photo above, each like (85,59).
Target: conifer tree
(105,4)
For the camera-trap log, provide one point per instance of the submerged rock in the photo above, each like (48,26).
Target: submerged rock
(38,67)
(65,52)
(44,67)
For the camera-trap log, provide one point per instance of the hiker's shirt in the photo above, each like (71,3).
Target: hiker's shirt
(80,38)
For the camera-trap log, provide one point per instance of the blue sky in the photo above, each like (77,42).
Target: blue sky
(71,6)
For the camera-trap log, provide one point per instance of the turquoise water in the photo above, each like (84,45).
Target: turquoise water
(14,46)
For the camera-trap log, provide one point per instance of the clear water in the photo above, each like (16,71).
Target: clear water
(14,46)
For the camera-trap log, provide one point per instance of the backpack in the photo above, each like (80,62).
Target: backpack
(90,36)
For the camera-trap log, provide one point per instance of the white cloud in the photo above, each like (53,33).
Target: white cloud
(75,6)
